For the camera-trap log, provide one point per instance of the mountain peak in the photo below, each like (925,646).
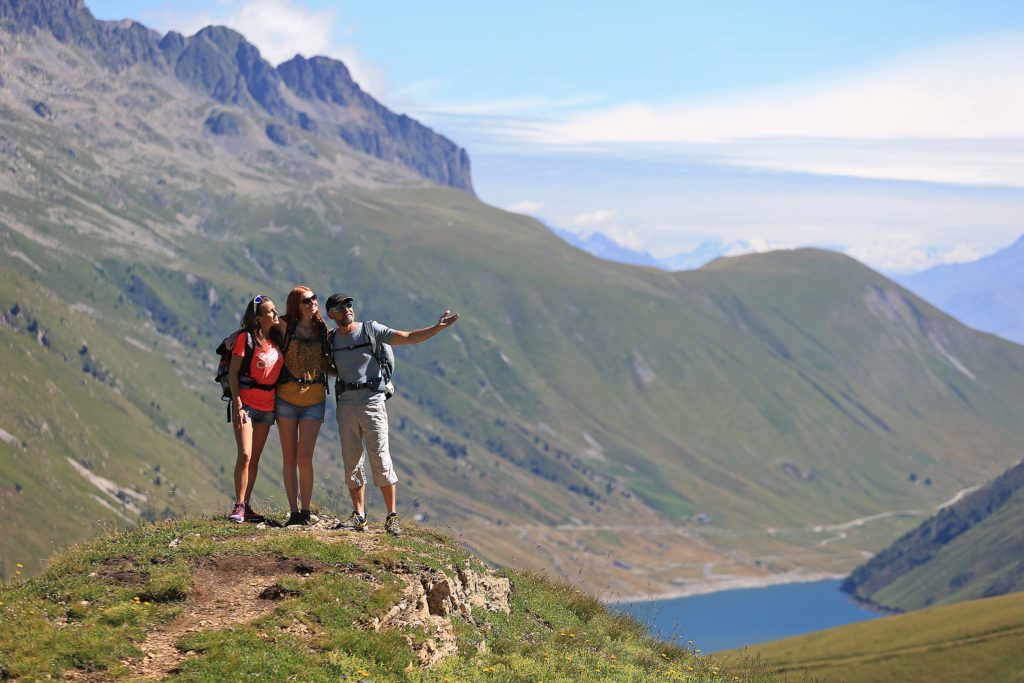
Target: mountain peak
(219,62)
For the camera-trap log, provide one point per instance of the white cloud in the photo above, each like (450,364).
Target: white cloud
(282,29)
(590,219)
(526,207)
(902,254)
(971,89)
(952,114)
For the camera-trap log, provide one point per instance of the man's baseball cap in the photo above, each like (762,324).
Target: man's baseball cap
(335,301)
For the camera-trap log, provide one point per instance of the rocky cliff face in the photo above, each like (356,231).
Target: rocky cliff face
(362,122)
(317,95)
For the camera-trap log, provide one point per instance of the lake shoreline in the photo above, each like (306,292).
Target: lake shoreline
(725,584)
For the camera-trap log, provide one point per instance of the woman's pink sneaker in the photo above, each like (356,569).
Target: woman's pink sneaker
(238,514)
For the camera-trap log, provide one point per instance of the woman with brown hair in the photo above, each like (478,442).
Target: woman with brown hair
(256,363)
(301,397)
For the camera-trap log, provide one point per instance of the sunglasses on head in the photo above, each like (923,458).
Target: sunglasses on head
(256,301)
(309,299)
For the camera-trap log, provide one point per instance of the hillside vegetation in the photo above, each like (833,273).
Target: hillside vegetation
(979,641)
(202,600)
(628,429)
(973,548)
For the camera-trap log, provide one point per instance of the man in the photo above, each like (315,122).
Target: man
(362,415)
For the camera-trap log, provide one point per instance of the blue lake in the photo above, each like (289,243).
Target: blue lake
(734,618)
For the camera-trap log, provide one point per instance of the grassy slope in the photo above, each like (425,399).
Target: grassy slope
(787,390)
(90,612)
(970,550)
(977,641)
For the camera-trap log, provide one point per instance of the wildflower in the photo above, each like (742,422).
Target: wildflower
(362,672)
(488,669)
(20,565)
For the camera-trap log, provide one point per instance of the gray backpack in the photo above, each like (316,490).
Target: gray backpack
(385,357)
(381,352)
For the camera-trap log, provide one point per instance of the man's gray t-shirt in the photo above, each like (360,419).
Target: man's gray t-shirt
(359,365)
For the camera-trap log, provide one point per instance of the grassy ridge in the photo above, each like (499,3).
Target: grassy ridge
(978,640)
(969,550)
(99,608)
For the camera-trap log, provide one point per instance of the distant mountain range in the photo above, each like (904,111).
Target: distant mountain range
(603,247)
(987,294)
(971,549)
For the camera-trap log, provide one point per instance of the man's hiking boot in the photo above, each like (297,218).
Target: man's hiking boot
(391,525)
(296,519)
(238,514)
(355,522)
(307,516)
(252,516)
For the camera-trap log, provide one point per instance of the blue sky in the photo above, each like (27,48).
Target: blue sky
(891,130)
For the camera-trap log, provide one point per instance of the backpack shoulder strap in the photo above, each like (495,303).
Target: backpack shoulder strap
(371,337)
(288,334)
(250,349)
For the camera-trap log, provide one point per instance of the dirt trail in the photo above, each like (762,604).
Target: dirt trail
(227,591)
(235,590)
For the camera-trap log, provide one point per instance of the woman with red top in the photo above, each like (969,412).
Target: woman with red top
(252,396)
(301,397)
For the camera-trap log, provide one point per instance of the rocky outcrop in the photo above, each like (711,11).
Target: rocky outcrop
(221,64)
(431,598)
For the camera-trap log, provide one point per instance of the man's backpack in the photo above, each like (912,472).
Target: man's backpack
(381,352)
(385,357)
(245,380)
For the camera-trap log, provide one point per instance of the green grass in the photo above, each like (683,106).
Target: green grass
(976,641)
(93,606)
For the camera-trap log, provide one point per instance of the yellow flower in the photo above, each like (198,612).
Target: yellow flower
(20,565)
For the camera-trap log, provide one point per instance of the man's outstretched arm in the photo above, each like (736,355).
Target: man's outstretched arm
(401,338)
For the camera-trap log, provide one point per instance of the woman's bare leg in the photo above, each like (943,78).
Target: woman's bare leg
(288,429)
(308,431)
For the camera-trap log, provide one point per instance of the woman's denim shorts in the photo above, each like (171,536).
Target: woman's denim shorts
(261,417)
(290,411)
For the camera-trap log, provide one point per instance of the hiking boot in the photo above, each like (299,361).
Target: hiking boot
(238,514)
(252,516)
(356,522)
(391,525)
(306,516)
(295,519)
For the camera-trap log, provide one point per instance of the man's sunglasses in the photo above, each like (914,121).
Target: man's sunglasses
(309,300)
(341,307)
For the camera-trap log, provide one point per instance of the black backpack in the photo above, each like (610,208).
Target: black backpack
(245,380)
(381,352)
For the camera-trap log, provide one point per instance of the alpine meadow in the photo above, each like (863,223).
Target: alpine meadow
(626,429)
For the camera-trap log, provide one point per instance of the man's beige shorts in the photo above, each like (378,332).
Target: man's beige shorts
(369,421)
